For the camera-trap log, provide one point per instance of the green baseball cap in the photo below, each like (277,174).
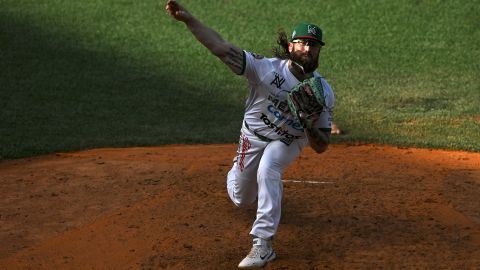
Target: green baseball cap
(308,31)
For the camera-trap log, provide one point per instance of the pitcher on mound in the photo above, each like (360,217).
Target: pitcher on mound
(273,133)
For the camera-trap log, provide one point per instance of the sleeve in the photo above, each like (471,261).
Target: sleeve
(255,65)
(324,123)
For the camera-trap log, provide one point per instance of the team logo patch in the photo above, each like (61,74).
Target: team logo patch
(278,81)
(312,29)
(257,56)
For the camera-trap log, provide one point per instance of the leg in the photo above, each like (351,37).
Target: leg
(276,157)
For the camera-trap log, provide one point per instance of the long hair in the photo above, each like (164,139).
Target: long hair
(281,50)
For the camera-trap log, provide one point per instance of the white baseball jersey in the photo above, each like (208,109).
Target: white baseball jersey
(267,111)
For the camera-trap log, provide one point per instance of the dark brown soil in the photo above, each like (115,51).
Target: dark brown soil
(353,207)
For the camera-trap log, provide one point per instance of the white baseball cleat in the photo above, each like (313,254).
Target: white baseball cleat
(261,253)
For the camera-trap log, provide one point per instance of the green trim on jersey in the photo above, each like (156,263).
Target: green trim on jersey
(244,63)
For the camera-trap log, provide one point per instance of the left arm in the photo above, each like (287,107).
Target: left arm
(311,103)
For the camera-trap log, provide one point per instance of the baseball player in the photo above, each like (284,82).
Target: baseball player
(270,137)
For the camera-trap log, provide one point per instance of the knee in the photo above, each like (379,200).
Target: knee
(241,195)
(242,203)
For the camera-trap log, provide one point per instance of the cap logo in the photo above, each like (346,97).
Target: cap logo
(312,30)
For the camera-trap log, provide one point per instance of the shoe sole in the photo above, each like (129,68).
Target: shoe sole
(272,257)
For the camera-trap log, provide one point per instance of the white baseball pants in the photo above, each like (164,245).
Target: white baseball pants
(256,173)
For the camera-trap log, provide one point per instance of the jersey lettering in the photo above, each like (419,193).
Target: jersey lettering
(279,130)
(280,116)
(281,105)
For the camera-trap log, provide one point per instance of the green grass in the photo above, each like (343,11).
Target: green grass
(86,74)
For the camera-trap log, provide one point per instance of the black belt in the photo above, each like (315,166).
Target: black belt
(261,137)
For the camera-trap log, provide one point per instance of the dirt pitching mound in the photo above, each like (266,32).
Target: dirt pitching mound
(353,207)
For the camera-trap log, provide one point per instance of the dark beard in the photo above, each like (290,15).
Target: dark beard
(308,63)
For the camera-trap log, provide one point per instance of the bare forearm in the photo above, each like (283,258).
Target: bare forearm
(205,35)
(231,55)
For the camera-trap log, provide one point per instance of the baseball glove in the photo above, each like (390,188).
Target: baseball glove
(306,101)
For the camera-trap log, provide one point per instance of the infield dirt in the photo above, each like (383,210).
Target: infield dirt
(353,207)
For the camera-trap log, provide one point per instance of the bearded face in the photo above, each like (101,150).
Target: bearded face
(307,59)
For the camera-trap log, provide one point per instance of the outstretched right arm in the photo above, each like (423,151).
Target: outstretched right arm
(228,53)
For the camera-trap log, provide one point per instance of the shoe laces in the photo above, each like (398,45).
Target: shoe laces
(259,248)
(256,251)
